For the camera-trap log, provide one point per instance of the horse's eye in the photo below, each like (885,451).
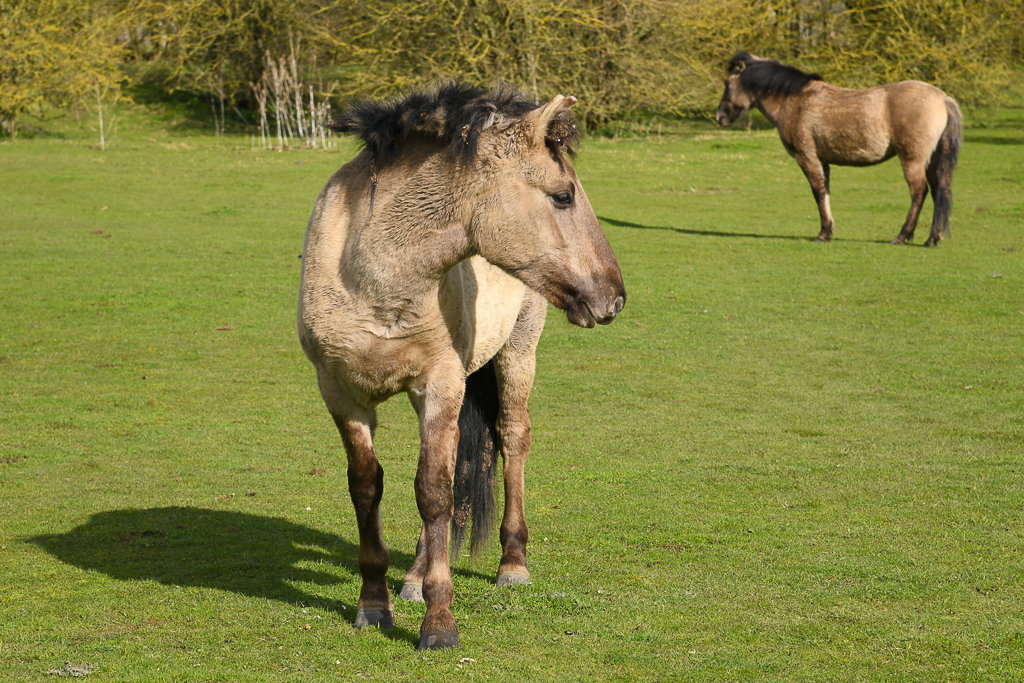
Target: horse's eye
(562,199)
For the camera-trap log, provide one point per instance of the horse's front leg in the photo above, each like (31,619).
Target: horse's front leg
(515,366)
(817,174)
(438,407)
(917,181)
(365,486)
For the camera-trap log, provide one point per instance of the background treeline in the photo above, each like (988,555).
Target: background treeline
(622,58)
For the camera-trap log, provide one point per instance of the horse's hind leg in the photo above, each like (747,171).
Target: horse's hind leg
(365,486)
(412,586)
(942,201)
(914,172)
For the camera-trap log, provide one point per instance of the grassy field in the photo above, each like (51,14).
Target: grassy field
(785,461)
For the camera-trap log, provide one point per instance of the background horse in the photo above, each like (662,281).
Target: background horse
(427,262)
(821,124)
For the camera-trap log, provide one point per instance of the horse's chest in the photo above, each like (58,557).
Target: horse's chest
(480,304)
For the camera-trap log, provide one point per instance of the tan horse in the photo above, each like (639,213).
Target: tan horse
(821,124)
(427,263)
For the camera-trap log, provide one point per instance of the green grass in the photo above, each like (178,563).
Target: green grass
(786,461)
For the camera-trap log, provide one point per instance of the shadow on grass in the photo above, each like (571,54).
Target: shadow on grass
(720,233)
(260,557)
(993,139)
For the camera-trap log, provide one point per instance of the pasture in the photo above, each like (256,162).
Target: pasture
(784,461)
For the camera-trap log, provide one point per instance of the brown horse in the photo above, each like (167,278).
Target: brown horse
(821,124)
(427,262)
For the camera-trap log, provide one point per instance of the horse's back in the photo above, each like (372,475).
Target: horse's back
(865,127)
(848,127)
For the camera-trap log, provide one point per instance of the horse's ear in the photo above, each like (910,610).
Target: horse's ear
(739,67)
(540,119)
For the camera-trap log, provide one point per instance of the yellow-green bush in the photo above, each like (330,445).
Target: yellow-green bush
(54,53)
(620,57)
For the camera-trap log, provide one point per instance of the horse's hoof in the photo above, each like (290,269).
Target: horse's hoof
(825,238)
(513,578)
(381,618)
(931,242)
(413,592)
(438,639)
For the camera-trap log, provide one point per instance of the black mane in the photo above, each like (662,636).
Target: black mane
(453,112)
(767,76)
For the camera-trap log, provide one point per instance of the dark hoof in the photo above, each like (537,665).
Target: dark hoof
(931,242)
(375,617)
(438,639)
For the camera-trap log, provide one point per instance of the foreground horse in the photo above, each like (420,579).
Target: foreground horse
(821,124)
(427,262)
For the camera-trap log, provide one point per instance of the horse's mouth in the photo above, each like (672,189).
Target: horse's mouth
(581,315)
(726,116)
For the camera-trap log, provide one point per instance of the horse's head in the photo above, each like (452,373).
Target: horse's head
(533,219)
(736,99)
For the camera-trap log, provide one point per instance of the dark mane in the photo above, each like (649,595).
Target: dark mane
(766,76)
(453,112)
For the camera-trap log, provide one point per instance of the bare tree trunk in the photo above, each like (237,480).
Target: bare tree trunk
(99,108)
(312,119)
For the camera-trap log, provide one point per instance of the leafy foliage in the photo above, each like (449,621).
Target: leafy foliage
(630,56)
(55,53)
(219,47)
(622,58)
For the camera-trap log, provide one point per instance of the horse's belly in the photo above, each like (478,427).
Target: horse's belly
(481,303)
(861,153)
(857,144)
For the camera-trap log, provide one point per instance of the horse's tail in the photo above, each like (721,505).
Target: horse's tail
(943,162)
(475,465)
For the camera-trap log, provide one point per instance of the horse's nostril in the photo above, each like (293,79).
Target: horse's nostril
(617,306)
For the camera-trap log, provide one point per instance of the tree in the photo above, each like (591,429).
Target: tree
(216,48)
(53,53)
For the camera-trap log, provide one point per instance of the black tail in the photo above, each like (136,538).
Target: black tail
(475,466)
(940,170)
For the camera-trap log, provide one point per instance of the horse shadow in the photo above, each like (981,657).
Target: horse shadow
(259,557)
(721,233)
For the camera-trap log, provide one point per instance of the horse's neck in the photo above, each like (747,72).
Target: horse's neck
(774,108)
(415,234)
(403,256)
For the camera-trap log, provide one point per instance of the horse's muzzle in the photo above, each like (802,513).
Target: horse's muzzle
(610,314)
(587,314)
